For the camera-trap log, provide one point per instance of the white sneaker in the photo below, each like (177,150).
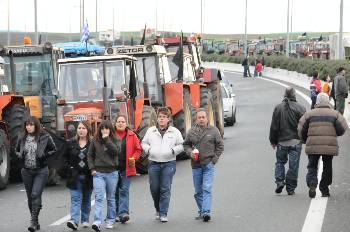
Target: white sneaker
(85,224)
(164,219)
(109,226)
(157,216)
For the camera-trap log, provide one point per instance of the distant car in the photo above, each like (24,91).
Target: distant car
(229,103)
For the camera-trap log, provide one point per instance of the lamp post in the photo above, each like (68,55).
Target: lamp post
(8,23)
(36,22)
(245,29)
(201,17)
(287,40)
(341,31)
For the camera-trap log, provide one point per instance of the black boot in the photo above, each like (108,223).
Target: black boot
(34,220)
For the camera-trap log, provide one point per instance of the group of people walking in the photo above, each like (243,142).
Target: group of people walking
(104,164)
(292,126)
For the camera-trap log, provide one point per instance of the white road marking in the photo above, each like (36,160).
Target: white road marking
(67,217)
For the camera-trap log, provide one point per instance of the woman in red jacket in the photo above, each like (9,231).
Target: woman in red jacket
(129,150)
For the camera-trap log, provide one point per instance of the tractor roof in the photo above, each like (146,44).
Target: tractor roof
(95,58)
(28,50)
(136,50)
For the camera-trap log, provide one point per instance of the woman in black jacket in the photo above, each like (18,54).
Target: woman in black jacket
(79,179)
(33,148)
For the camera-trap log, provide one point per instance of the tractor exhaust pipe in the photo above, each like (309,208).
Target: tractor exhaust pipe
(106,113)
(13,73)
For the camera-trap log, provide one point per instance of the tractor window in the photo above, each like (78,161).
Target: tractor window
(81,82)
(147,65)
(34,74)
(174,69)
(115,77)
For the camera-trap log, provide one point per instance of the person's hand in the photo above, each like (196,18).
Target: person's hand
(93,172)
(273,146)
(104,135)
(131,162)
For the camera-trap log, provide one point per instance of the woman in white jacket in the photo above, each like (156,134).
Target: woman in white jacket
(162,143)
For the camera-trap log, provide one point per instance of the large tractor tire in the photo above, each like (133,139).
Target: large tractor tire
(15,117)
(149,119)
(215,89)
(208,104)
(4,160)
(184,119)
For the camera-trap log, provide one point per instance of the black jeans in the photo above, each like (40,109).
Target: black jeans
(326,179)
(34,183)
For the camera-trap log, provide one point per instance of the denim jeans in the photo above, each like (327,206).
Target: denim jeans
(160,179)
(311,177)
(105,183)
(80,201)
(122,194)
(203,179)
(246,72)
(313,102)
(282,154)
(34,183)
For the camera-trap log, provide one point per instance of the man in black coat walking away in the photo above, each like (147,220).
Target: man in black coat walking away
(284,137)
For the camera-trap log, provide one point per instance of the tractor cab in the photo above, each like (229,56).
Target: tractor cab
(96,88)
(152,67)
(33,76)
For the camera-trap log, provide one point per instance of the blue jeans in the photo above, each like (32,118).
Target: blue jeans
(203,179)
(282,154)
(105,183)
(80,201)
(312,169)
(122,194)
(160,179)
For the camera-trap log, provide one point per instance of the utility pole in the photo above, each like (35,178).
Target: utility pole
(81,16)
(36,22)
(341,56)
(113,29)
(156,31)
(245,30)
(201,17)
(287,40)
(96,17)
(8,23)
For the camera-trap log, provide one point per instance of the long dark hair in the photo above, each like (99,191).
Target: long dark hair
(105,124)
(88,128)
(38,129)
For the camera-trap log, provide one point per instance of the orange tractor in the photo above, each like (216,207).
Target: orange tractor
(13,114)
(100,87)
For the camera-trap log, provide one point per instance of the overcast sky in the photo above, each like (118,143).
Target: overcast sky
(220,16)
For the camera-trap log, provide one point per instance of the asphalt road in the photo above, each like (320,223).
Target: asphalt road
(244,198)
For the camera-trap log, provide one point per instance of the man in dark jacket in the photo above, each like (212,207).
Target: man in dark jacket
(204,145)
(284,136)
(340,90)
(245,65)
(319,129)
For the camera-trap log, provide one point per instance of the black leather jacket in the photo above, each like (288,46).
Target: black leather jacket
(285,119)
(46,148)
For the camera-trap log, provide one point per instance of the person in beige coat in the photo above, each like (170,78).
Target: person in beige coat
(319,129)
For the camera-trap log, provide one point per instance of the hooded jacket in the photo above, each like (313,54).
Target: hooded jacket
(285,120)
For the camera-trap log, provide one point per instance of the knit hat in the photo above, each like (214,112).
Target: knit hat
(322,99)
(289,93)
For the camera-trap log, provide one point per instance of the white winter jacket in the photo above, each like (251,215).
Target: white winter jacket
(162,149)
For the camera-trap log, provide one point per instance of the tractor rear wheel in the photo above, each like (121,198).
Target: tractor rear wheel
(208,104)
(215,89)
(149,119)
(15,117)
(4,160)
(183,120)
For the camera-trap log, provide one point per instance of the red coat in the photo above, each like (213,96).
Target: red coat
(133,149)
(258,67)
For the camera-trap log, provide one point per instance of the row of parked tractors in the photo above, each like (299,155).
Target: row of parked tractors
(40,80)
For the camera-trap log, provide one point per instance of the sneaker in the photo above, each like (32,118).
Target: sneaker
(206,217)
(157,216)
(96,227)
(85,225)
(124,218)
(199,217)
(164,219)
(279,188)
(109,226)
(290,193)
(71,224)
(312,192)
